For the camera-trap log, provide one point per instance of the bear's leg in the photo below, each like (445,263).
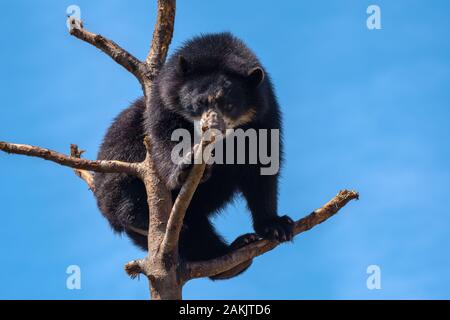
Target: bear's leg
(123,201)
(200,241)
(240,242)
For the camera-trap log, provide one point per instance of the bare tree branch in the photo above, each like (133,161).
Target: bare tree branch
(209,120)
(215,266)
(112,49)
(172,234)
(107,166)
(146,71)
(162,36)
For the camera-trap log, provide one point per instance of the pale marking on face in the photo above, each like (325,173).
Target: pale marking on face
(217,95)
(244,118)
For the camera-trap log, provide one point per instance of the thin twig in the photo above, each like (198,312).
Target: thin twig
(83,174)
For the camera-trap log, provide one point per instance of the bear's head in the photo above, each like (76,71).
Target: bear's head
(194,88)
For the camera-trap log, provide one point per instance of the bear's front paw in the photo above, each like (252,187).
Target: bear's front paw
(184,168)
(278,228)
(180,175)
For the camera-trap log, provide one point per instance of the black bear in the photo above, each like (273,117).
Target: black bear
(211,71)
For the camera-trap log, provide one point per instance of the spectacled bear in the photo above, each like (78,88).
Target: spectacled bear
(211,71)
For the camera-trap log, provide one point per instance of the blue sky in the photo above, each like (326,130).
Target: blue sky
(367,110)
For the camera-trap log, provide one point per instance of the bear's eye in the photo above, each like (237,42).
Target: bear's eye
(200,104)
(228,107)
(220,100)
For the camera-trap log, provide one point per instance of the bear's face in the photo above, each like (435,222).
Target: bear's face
(229,94)
(226,94)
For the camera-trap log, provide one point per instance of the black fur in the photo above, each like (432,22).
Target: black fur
(198,70)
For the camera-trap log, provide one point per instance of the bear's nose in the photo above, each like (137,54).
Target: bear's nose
(212,119)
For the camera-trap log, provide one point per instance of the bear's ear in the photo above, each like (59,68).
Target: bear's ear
(255,76)
(183,65)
